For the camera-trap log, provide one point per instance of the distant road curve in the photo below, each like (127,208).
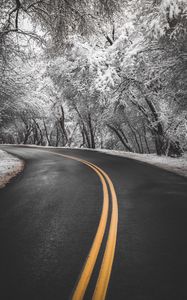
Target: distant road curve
(86,225)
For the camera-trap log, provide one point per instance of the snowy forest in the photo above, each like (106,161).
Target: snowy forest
(94,74)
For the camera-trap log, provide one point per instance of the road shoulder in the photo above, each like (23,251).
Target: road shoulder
(175,165)
(10,166)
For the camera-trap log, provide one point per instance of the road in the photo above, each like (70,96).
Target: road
(81,224)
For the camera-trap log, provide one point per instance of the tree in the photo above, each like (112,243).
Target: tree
(97,79)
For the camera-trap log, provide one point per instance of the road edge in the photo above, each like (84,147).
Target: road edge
(15,167)
(122,154)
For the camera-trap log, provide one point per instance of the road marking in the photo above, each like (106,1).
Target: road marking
(106,265)
(108,258)
(92,257)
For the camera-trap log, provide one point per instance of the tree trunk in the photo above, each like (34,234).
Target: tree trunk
(145,137)
(92,140)
(46,134)
(57,137)
(133,130)
(62,125)
(125,144)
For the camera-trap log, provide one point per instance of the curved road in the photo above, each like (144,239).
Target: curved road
(108,228)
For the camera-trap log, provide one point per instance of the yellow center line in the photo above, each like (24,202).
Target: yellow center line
(92,257)
(106,266)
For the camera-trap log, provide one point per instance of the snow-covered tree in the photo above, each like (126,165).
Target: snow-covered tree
(106,74)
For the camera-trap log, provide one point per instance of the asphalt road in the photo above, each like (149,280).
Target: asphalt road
(50,213)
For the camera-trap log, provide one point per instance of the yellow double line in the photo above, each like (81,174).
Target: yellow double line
(108,257)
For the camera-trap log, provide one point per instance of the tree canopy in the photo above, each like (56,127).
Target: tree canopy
(92,74)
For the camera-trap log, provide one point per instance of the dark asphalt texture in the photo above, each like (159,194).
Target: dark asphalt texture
(50,212)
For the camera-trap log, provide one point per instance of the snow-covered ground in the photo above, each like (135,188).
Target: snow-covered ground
(10,166)
(176,165)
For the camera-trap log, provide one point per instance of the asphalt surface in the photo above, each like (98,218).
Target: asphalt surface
(49,215)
